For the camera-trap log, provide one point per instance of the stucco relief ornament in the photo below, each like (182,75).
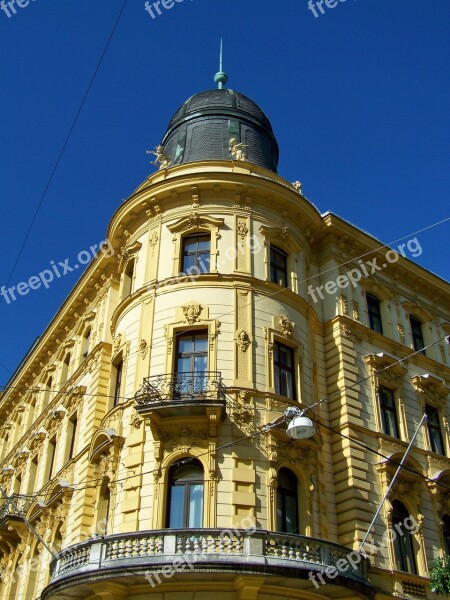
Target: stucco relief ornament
(243,340)
(191,312)
(237,150)
(143,348)
(136,421)
(117,342)
(242,230)
(162,161)
(286,326)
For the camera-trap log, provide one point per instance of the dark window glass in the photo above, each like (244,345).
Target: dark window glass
(284,371)
(403,543)
(196,254)
(185,501)
(86,343)
(51,458)
(373,308)
(118,382)
(287,502)
(434,429)
(417,335)
(278,266)
(128,280)
(388,412)
(446,533)
(73,424)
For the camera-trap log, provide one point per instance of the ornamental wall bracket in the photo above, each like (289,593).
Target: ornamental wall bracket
(433,388)
(127,252)
(243,340)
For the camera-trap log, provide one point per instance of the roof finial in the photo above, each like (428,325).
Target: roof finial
(220,78)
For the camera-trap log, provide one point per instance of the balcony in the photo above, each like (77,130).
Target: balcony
(196,392)
(154,555)
(14,507)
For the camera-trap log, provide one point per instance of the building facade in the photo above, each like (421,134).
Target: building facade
(134,460)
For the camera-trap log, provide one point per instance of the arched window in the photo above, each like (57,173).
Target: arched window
(287,502)
(403,542)
(185,495)
(446,534)
(104,507)
(86,343)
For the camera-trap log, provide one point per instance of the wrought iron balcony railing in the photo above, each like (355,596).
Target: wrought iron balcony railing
(181,387)
(15,506)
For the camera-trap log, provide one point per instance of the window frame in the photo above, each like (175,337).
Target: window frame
(118,380)
(187,485)
(434,427)
(283,493)
(274,267)
(371,302)
(277,364)
(408,551)
(416,327)
(385,423)
(196,254)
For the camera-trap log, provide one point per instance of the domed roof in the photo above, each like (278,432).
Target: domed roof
(201,129)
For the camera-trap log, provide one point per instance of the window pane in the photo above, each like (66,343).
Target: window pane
(203,263)
(196,506)
(203,243)
(200,364)
(201,343)
(188,262)
(190,244)
(185,344)
(176,506)
(291,515)
(184,365)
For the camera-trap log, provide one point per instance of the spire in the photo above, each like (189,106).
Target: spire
(220,78)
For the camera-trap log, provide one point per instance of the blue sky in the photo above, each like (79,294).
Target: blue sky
(358,99)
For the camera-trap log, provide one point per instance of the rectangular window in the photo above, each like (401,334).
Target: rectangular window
(434,429)
(373,308)
(196,254)
(284,371)
(51,452)
(388,412)
(417,335)
(278,266)
(128,280)
(72,436)
(118,382)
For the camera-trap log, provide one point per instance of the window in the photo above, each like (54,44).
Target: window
(32,475)
(287,502)
(434,429)
(278,266)
(128,280)
(403,543)
(51,451)
(117,382)
(417,336)
(446,534)
(47,392)
(86,343)
(72,428)
(388,412)
(192,352)
(196,253)
(284,371)
(104,507)
(65,369)
(373,308)
(185,501)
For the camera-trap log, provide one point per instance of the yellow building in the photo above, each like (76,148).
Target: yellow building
(134,461)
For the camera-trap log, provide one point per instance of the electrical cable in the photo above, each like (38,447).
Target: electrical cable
(66,141)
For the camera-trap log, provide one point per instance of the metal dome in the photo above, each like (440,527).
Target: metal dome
(201,129)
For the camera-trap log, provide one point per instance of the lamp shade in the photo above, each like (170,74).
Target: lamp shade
(300,428)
